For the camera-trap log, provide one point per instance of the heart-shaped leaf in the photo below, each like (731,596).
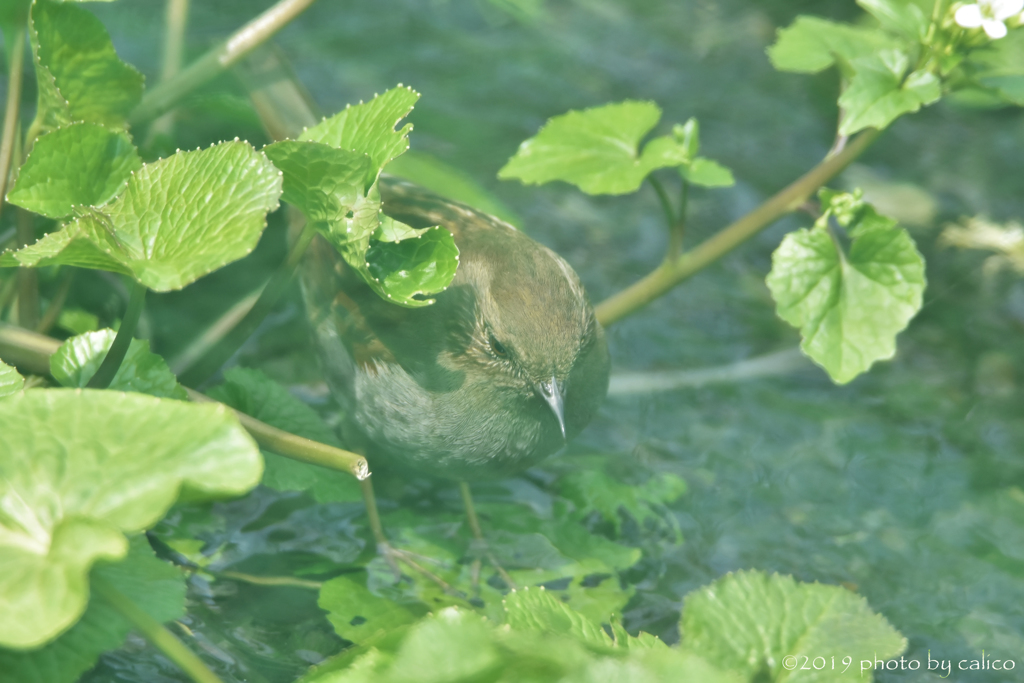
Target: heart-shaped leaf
(178,219)
(81,468)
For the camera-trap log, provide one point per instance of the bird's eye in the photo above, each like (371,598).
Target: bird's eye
(497,348)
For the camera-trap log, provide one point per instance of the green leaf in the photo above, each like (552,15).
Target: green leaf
(534,609)
(594,490)
(419,264)
(811,44)
(848,307)
(999,67)
(596,149)
(447,181)
(322,181)
(79,74)
(78,359)
(369,128)
(10,381)
(155,586)
(81,469)
(751,623)
(178,219)
(688,137)
(77,320)
(453,645)
(707,173)
(878,94)
(255,394)
(331,174)
(357,614)
(909,18)
(80,164)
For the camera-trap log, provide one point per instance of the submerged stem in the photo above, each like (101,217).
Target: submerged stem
(213,63)
(670,273)
(10,127)
(155,633)
(219,353)
(112,361)
(28,278)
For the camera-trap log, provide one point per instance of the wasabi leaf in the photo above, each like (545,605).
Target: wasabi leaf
(322,181)
(707,173)
(848,307)
(331,174)
(358,614)
(80,164)
(81,469)
(369,128)
(418,264)
(80,77)
(178,219)
(155,586)
(811,44)
(909,18)
(879,94)
(10,381)
(78,359)
(596,149)
(751,622)
(534,609)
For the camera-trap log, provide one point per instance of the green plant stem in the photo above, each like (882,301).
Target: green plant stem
(28,278)
(112,361)
(372,514)
(155,633)
(215,332)
(675,236)
(7,292)
(666,205)
(295,447)
(270,580)
(670,273)
(219,353)
(57,302)
(10,126)
(31,351)
(176,19)
(213,63)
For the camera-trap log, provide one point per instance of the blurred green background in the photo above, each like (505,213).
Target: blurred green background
(902,485)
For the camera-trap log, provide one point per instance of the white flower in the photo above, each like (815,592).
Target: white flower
(989,15)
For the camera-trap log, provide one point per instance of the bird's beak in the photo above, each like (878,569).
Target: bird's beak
(552,394)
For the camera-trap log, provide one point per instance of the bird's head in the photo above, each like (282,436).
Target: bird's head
(535,333)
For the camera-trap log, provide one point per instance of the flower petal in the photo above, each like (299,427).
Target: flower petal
(969,16)
(994,29)
(1004,9)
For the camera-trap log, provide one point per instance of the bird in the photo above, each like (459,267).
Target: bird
(507,366)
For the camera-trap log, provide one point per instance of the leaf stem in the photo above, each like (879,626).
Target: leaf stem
(296,447)
(31,351)
(112,361)
(221,352)
(670,273)
(57,302)
(10,126)
(244,40)
(176,20)
(28,278)
(666,205)
(155,633)
(675,241)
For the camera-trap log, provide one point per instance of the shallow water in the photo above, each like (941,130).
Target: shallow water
(901,485)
